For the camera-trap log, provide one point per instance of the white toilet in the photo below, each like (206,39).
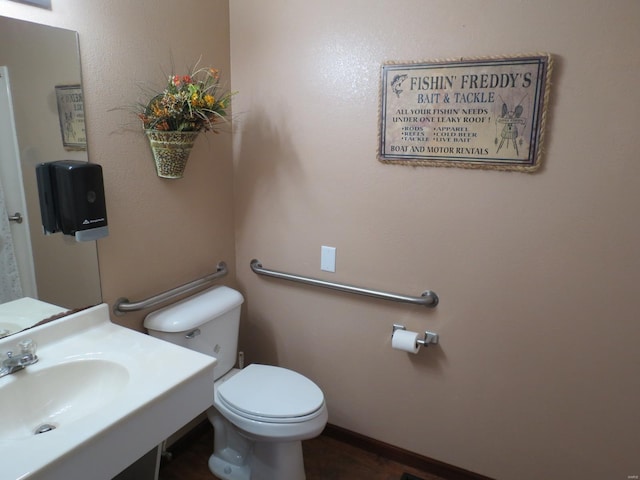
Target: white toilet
(261,413)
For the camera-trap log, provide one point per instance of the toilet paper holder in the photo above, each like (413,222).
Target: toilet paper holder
(430,338)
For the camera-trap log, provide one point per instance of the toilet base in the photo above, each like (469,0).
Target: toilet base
(277,460)
(267,461)
(236,457)
(227,470)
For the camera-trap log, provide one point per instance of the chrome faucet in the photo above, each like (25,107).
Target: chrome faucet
(14,363)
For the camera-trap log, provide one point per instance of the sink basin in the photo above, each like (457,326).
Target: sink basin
(101,396)
(57,395)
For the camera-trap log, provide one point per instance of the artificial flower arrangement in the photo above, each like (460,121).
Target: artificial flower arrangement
(190,103)
(173,118)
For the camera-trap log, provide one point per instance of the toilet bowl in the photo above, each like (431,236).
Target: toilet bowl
(261,413)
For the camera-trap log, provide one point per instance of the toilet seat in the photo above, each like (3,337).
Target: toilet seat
(270,394)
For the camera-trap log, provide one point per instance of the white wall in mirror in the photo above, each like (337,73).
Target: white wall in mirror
(18,274)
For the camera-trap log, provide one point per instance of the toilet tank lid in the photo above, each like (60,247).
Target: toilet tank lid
(194,311)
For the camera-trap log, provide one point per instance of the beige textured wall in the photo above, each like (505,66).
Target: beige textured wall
(162,233)
(536,375)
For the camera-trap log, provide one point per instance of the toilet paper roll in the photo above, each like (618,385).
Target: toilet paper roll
(406,341)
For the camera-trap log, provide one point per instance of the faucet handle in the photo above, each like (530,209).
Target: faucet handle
(14,362)
(28,347)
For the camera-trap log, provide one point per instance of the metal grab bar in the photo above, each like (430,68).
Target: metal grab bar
(123,305)
(428,298)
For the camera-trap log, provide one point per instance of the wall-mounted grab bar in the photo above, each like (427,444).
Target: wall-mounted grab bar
(123,305)
(428,298)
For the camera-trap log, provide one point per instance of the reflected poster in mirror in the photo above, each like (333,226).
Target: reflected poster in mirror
(71,115)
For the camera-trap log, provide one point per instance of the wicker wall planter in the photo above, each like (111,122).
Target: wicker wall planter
(171,151)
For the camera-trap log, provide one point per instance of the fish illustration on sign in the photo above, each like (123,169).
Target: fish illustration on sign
(396,84)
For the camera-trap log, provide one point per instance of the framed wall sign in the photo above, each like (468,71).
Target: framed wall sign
(71,114)
(476,113)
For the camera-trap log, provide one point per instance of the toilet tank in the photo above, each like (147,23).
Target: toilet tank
(207,322)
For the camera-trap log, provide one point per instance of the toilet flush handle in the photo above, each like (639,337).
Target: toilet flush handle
(193,334)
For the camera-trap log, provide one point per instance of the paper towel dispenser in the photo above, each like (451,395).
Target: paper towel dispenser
(72,199)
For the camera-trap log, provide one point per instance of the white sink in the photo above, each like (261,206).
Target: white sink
(105,395)
(55,396)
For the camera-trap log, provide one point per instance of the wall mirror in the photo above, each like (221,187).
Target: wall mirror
(38,271)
